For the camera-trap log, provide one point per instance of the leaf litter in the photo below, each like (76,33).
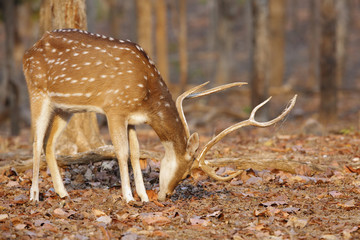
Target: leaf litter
(258,204)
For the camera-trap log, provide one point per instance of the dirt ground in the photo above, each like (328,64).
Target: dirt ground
(308,188)
(259,204)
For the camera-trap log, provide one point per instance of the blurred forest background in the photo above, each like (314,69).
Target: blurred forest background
(280,47)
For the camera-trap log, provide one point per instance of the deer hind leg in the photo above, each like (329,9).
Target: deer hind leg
(135,163)
(40,116)
(58,124)
(118,133)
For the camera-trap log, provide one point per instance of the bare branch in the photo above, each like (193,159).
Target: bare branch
(23,161)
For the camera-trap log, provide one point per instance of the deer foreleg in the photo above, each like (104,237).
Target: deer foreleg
(135,163)
(118,133)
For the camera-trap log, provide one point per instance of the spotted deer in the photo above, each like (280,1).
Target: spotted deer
(71,70)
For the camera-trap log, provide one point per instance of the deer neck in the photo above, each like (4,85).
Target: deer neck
(164,117)
(171,132)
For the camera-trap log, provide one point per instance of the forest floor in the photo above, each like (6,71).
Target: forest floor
(316,197)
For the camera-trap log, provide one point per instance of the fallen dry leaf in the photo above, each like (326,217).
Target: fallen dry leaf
(352,170)
(61,213)
(216,214)
(255,226)
(40,222)
(329,237)
(254,181)
(21,198)
(273,203)
(97,212)
(297,222)
(198,175)
(290,209)
(13,184)
(20,226)
(347,205)
(3,216)
(236,182)
(152,195)
(143,164)
(50,227)
(335,194)
(199,221)
(154,218)
(104,219)
(225,171)
(159,233)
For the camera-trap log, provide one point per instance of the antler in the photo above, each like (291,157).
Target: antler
(190,94)
(250,122)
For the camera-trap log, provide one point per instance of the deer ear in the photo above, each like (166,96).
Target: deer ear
(192,144)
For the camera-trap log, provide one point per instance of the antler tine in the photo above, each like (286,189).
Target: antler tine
(249,122)
(191,93)
(179,107)
(215,89)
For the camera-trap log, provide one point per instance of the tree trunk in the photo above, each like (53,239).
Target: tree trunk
(328,91)
(9,88)
(212,5)
(225,40)
(91,9)
(313,46)
(115,16)
(277,41)
(341,39)
(82,133)
(183,44)
(144,25)
(130,14)
(161,40)
(62,14)
(259,71)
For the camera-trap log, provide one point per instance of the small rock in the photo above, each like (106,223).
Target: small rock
(108,165)
(88,174)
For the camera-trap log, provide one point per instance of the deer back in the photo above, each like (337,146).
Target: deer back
(77,69)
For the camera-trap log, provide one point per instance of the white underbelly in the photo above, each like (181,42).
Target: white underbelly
(137,118)
(73,108)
